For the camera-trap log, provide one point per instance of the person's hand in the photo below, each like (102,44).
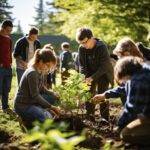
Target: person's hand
(98,98)
(89,80)
(82,105)
(24,64)
(56,110)
(117,130)
(141,116)
(56,95)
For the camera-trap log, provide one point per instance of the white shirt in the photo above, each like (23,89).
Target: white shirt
(31,50)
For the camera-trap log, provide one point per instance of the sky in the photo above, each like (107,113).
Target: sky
(24,11)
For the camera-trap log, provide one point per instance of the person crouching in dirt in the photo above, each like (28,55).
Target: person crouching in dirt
(29,103)
(134,122)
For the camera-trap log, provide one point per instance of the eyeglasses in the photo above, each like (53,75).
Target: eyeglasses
(84,42)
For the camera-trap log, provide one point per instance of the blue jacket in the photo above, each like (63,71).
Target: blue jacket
(117,92)
(138,98)
(22,46)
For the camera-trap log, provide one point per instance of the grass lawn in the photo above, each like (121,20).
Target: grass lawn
(10,131)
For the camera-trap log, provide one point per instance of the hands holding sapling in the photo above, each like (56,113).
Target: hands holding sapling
(55,111)
(98,98)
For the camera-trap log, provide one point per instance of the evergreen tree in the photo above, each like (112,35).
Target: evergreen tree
(5,12)
(52,26)
(19,29)
(39,19)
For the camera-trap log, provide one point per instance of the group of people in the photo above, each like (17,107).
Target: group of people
(35,68)
(33,101)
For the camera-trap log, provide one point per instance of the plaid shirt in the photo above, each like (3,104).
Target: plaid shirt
(138,98)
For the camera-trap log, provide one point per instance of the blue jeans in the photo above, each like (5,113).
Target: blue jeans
(5,85)
(32,113)
(19,74)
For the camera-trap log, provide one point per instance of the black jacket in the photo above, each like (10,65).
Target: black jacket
(22,46)
(66,60)
(96,62)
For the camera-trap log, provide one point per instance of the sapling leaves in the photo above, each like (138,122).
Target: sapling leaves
(74,92)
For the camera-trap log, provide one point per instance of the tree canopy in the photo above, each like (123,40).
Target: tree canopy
(5,12)
(110,20)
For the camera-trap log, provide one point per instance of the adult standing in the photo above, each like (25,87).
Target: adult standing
(24,50)
(95,64)
(5,63)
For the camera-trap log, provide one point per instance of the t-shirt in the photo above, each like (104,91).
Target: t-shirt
(31,50)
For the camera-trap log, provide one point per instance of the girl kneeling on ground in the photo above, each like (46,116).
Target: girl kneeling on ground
(29,103)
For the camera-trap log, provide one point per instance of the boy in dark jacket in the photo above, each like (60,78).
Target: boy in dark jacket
(24,51)
(66,61)
(95,64)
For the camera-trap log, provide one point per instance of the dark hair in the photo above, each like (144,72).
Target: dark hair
(144,50)
(127,66)
(83,33)
(7,23)
(127,45)
(45,55)
(65,45)
(114,56)
(33,31)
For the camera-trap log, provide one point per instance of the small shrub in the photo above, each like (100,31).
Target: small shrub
(74,93)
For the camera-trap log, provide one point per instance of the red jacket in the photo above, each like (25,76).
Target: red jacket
(5,51)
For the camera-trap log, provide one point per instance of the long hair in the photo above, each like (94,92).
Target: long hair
(44,55)
(127,45)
